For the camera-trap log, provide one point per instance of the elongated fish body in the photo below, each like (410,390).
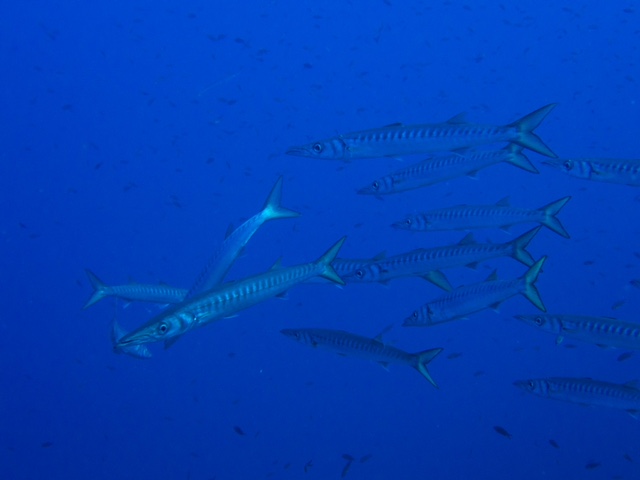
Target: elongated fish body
(442,168)
(586,391)
(398,139)
(605,331)
(140,292)
(227,253)
(346,343)
(228,299)
(500,215)
(423,262)
(610,170)
(473,298)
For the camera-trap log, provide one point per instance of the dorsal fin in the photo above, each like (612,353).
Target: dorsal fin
(467,240)
(459,119)
(229,231)
(378,338)
(503,202)
(492,277)
(633,384)
(276,265)
(380,256)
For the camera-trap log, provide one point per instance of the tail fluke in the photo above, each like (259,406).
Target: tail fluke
(422,359)
(527,124)
(272,208)
(99,289)
(329,273)
(520,244)
(530,291)
(550,220)
(519,159)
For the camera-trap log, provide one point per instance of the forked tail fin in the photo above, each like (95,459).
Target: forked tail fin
(422,359)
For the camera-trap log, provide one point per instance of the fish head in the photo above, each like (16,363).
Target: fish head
(160,329)
(565,164)
(549,323)
(378,187)
(364,274)
(408,223)
(302,336)
(537,387)
(331,149)
(416,319)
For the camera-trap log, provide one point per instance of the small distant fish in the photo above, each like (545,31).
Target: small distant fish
(635,282)
(238,430)
(625,356)
(502,432)
(366,457)
(618,304)
(627,457)
(553,443)
(46,444)
(592,465)
(451,356)
(308,465)
(346,468)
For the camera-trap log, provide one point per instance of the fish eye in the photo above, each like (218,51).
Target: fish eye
(375,185)
(163,328)
(408,222)
(531,385)
(538,321)
(568,164)
(415,314)
(317,147)
(359,273)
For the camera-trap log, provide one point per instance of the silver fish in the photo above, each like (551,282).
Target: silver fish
(587,391)
(373,349)
(439,169)
(228,299)
(473,298)
(426,262)
(603,331)
(134,292)
(137,351)
(221,261)
(610,170)
(500,215)
(399,139)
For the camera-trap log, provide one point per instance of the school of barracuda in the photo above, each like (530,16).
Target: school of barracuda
(210,299)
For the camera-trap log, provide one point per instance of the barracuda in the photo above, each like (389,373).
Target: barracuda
(228,299)
(428,262)
(587,391)
(604,331)
(399,139)
(373,349)
(500,215)
(439,169)
(140,292)
(610,170)
(473,298)
(227,253)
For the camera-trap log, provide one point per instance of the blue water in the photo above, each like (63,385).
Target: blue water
(133,133)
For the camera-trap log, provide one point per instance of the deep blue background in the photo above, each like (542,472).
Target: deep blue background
(133,133)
